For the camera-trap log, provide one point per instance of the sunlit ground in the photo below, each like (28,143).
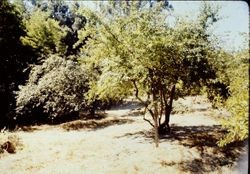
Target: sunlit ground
(122,143)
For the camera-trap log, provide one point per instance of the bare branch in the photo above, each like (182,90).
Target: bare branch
(148,121)
(137,94)
(164,97)
(144,103)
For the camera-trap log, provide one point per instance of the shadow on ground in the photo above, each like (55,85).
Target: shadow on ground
(202,138)
(138,112)
(133,105)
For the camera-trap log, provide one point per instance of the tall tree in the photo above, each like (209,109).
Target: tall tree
(44,34)
(61,23)
(14,59)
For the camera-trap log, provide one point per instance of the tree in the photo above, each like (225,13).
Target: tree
(14,59)
(69,16)
(44,34)
(138,4)
(139,53)
(55,90)
(57,20)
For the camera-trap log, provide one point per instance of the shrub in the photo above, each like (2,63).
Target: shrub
(10,142)
(55,89)
(237,104)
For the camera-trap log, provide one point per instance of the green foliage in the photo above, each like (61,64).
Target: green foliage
(138,45)
(217,89)
(44,34)
(139,52)
(55,88)
(126,48)
(62,23)
(51,28)
(238,102)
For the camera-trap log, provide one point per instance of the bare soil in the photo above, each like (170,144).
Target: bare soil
(121,142)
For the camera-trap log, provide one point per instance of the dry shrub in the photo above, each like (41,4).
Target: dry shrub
(10,143)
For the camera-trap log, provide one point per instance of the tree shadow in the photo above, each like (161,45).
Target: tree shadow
(202,138)
(133,105)
(143,136)
(138,112)
(96,116)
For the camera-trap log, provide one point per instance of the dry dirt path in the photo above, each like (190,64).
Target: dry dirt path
(126,146)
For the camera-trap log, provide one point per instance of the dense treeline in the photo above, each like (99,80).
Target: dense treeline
(61,59)
(14,59)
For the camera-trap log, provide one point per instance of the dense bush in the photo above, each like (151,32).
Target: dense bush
(55,88)
(237,104)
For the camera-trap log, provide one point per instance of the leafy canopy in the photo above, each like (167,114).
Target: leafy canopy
(132,47)
(44,34)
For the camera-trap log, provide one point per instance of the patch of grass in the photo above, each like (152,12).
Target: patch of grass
(28,128)
(190,104)
(93,124)
(203,139)
(166,164)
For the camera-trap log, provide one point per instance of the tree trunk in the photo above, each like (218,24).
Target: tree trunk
(164,127)
(92,109)
(156,116)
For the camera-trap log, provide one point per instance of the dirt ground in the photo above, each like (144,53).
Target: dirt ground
(122,143)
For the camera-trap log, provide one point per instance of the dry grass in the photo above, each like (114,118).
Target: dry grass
(122,143)
(94,124)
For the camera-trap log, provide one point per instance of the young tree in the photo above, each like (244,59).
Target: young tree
(138,52)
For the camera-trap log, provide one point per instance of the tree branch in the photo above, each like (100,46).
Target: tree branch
(137,94)
(144,103)
(148,121)
(161,106)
